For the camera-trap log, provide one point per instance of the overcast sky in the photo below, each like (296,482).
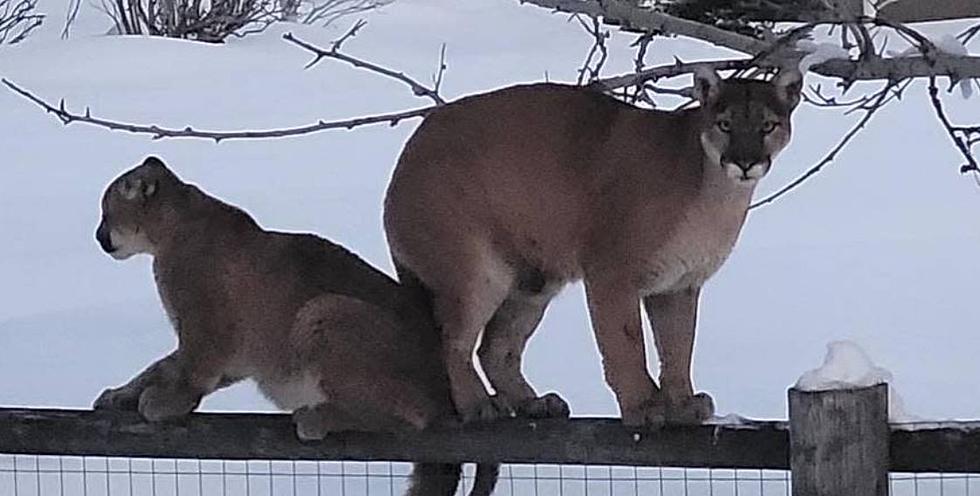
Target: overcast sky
(880,248)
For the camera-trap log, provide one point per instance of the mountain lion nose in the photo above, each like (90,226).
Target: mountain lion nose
(104,238)
(747,165)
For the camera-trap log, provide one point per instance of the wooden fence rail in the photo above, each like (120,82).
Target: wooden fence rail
(594,441)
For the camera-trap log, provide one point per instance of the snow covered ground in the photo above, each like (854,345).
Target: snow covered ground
(881,248)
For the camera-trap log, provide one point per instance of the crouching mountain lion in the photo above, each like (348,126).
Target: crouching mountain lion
(323,333)
(498,200)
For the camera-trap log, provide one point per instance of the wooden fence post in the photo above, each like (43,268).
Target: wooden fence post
(839,442)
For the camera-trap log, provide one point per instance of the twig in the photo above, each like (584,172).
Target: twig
(968,34)
(158,132)
(326,12)
(880,101)
(441,71)
(642,44)
(963,145)
(667,71)
(73,7)
(418,89)
(18,18)
(352,32)
(588,72)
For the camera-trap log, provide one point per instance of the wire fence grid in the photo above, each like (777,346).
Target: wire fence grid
(22,475)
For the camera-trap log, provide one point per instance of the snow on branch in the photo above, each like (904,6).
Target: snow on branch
(649,20)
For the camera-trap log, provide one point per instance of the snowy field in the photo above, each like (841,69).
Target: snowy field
(881,248)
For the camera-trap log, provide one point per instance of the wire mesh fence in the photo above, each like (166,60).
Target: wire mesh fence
(24,475)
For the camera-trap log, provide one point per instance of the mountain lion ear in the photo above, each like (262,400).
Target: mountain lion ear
(153,161)
(138,188)
(789,85)
(707,85)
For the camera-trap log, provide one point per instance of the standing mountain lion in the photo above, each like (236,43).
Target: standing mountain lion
(323,333)
(498,200)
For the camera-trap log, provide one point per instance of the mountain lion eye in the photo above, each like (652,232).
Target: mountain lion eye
(725,125)
(769,126)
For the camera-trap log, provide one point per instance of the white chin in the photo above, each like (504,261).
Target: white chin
(122,254)
(742,178)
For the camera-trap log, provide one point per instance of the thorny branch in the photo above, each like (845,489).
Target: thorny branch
(334,53)
(158,132)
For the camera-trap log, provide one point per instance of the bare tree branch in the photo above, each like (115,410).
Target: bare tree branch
(667,71)
(210,21)
(592,66)
(158,132)
(882,98)
(17,19)
(870,67)
(441,71)
(326,12)
(73,7)
(651,21)
(966,36)
(963,137)
(333,53)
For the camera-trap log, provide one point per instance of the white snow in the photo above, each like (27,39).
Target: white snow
(848,366)
(818,53)
(919,425)
(734,421)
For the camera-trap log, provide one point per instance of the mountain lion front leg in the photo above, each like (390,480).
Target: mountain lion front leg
(165,400)
(614,306)
(673,317)
(196,370)
(127,396)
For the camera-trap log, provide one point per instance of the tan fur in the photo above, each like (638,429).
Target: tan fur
(320,331)
(500,199)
